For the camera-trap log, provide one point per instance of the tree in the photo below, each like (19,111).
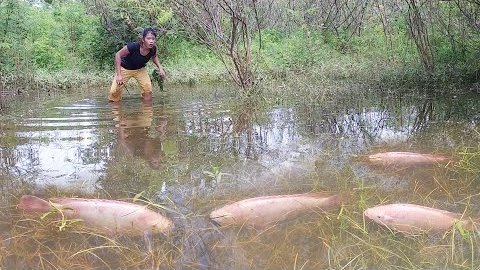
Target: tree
(126,19)
(226,27)
(419,32)
(123,21)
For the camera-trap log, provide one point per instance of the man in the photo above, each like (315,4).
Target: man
(130,61)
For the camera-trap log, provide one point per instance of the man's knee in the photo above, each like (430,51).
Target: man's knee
(147,87)
(113,97)
(115,93)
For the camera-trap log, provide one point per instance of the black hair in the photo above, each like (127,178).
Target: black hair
(149,30)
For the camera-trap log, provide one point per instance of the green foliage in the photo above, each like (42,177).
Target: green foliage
(215,174)
(470,160)
(188,62)
(81,31)
(12,31)
(57,36)
(83,36)
(455,49)
(46,38)
(123,21)
(301,49)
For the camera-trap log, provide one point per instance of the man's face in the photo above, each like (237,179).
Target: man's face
(149,40)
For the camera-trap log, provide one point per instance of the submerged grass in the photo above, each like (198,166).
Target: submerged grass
(470,160)
(345,239)
(337,239)
(38,244)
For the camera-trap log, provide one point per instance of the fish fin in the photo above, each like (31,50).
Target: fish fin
(215,223)
(387,218)
(34,204)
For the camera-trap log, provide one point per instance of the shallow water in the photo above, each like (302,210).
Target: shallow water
(195,152)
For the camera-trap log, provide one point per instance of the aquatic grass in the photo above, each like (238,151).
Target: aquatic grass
(470,160)
(36,244)
(352,242)
(215,174)
(63,223)
(352,245)
(149,202)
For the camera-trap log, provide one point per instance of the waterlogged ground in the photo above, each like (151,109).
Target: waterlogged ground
(194,150)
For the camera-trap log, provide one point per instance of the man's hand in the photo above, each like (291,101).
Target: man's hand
(119,79)
(161,74)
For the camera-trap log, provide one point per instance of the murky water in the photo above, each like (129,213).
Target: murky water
(195,153)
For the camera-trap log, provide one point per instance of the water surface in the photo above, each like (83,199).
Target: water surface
(196,152)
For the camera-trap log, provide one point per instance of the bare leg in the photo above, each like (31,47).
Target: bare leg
(147,96)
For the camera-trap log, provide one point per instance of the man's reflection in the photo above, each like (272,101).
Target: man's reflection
(137,135)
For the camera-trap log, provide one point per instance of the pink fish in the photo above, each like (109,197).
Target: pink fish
(406,159)
(107,215)
(265,211)
(415,219)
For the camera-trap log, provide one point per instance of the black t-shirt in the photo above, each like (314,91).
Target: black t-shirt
(134,60)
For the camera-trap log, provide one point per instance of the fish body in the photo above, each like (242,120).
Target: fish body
(406,159)
(261,212)
(107,215)
(415,219)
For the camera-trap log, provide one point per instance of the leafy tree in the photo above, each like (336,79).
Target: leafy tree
(227,29)
(124,21)
(12,32)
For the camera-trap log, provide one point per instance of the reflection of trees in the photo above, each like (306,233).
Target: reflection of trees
(347,117)
(249,130)
(370,119)
(18,165)
(212,131)
(424,115)
(449,109)
(243,123)
(19,160)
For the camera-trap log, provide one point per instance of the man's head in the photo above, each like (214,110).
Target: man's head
(149,30)
(149,37)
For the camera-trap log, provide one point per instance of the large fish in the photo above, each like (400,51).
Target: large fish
(261,212)
(107,215)
(416,219)
(406,159)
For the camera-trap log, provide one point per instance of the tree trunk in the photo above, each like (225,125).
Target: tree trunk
(226,28)
(419,33)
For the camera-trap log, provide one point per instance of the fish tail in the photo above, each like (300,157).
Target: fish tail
(34,204)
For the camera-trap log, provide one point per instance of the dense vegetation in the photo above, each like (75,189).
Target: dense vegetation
(59,44)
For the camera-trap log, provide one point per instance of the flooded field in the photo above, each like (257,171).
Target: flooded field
(189,154)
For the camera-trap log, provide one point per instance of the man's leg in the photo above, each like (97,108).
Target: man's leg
(116,89)
(145,83)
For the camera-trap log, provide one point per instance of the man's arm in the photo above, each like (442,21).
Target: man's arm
(118,61)
(161,72)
